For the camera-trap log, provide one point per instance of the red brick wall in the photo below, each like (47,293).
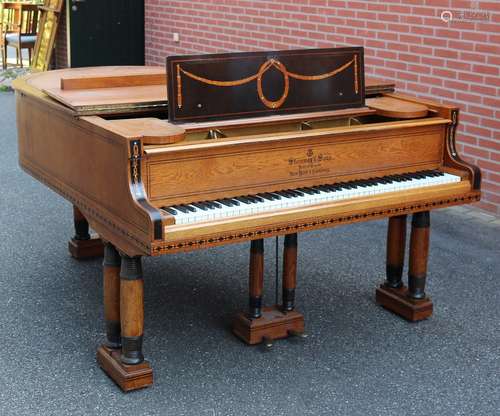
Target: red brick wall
(456,62)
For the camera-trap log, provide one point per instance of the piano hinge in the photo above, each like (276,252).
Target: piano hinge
(452,131)
(135,161)
(138,188)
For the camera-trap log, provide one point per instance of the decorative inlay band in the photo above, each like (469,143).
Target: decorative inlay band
(270,63)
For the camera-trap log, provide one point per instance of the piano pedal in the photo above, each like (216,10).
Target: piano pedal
(272,325)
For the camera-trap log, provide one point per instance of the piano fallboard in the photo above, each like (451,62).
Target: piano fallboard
(211,169)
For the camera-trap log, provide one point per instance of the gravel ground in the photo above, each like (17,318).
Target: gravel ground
(358,360)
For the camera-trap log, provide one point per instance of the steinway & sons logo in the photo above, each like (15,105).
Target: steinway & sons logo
(310,165)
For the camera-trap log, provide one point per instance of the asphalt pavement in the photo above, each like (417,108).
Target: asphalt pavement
(359,359)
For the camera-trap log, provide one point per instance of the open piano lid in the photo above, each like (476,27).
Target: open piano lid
(236,85)
(105,90)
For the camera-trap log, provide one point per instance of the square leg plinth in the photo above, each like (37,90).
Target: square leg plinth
(273,324)
(86,249)
(397,301)
(128,377)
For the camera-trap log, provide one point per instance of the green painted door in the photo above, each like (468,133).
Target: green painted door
(109,32)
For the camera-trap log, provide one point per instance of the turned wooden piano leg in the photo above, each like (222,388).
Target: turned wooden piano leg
(419,253)
(265,324)
(83,245)
(396,242)
(289,272)
(408,302)
(256,278)
(126,366)
(294,324)
(111,288)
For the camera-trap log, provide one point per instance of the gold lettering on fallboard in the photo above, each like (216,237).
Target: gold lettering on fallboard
(312,164)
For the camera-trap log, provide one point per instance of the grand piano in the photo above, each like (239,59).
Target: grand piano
(238,147)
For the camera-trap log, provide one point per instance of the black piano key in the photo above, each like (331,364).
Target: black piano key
(243,199)
(324,188)
(419,175)
(294,192)
(284,194)
(215,204)
(234,201)
(408,176)
(255,198)
(181,209)
(189,207)
(267,196)
(307,191)
(275,194)
(200,205)
(225,202)
(331,188)
(170,210)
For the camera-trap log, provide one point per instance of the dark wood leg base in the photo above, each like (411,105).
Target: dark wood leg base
(85,249)
(398,301)
(128,377)
(273,324)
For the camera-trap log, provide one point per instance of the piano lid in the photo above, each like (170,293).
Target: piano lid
(234,85)
(121,89)
(106,89)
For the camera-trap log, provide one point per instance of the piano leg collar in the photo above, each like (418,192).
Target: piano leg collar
(85,249)
(128,377)
(273,324)
(397,300)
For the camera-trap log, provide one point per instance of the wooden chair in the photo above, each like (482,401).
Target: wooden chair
(25,33)
(9,21)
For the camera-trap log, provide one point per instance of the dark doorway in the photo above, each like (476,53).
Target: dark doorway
(109,32)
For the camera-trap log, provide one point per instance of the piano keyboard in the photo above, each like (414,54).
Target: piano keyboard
(291,198)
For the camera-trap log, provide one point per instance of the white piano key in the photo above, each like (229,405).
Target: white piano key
(307,199)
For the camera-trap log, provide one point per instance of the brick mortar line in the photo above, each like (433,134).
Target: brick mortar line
(375,49)
(360,19)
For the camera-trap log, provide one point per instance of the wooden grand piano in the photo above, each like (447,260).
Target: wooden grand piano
(252,146)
